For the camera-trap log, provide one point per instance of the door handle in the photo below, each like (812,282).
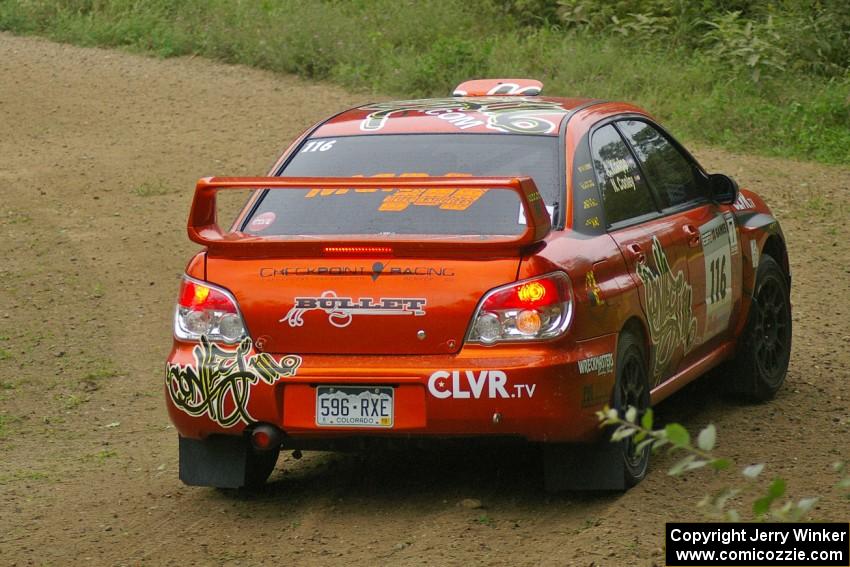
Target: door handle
(693,235)
(637,252)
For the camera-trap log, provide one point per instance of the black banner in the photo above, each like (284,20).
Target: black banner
(761,544)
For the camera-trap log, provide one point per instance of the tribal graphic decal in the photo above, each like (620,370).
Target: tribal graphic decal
(518,115)
(669,307)
(219,384)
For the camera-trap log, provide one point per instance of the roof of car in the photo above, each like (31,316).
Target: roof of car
(534,115)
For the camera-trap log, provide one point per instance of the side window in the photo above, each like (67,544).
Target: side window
(625,194)
(669,172)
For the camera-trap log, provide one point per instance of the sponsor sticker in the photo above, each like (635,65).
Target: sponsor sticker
(375,271)
(262,221)
(476,384)
(743,203)
(594,292)
(600,364)
(549,209)
(341,310)
(754,253)
(595,394)
(733,232)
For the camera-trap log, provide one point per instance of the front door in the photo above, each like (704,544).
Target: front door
(709,230)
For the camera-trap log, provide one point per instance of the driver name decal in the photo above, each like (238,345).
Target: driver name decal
(341,310)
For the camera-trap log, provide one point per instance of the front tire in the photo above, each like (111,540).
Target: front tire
(764,348)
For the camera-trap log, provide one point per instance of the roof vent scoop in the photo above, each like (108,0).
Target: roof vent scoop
(499,87)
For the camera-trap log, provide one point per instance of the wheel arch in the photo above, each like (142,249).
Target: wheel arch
(775,247)
(637,326)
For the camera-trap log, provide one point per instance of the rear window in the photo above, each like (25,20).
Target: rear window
(461,211)
(669,172)
(625,194)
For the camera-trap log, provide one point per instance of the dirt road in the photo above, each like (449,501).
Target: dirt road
(99,151)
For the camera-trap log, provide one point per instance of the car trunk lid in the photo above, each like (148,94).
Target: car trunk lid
(376,294)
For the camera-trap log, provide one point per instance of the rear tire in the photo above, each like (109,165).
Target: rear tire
(631,388)
(259,466)
(604,465)
(764,347)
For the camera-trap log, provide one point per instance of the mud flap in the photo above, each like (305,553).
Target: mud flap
(595,466)
(219,461)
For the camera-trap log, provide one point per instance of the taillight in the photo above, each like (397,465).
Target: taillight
(529,310)
(204,309)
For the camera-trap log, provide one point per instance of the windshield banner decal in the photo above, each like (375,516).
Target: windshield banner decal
(517,115)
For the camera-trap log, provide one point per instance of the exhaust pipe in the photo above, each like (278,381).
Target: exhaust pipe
(265,437)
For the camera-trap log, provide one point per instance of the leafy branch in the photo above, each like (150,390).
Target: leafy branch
(768,503)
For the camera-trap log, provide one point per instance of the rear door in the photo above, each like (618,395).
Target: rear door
(714,257)
(654,247)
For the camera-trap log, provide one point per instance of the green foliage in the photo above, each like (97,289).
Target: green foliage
(767,501)
(745,45)
(771,77)
(759,37)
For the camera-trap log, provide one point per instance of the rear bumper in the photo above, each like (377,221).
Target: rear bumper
(538,393)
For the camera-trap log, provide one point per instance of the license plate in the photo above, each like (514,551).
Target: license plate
(354,406)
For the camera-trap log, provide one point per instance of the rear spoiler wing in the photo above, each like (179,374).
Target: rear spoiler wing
(203,225)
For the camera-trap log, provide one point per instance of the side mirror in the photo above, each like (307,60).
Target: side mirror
(723,189)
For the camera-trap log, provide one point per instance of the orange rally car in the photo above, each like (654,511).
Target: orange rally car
(495,264)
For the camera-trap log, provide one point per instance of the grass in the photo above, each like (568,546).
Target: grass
(101,457)
(7,391)
(16,217)
(70,401)
(23,475)
(411,49)
(102,373)
(152,189)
